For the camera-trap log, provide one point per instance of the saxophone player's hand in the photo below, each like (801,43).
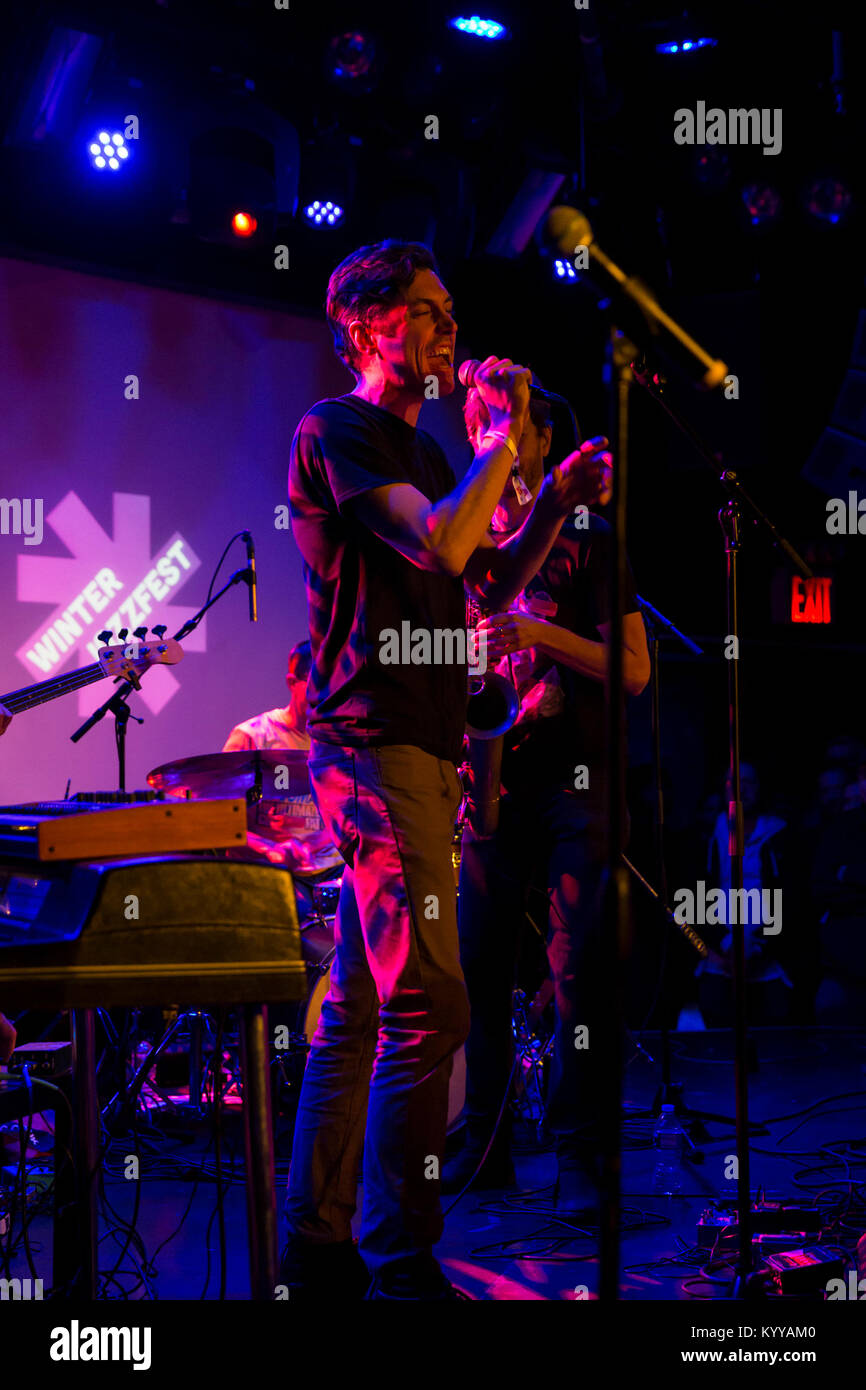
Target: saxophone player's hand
(582,479)
(510,632)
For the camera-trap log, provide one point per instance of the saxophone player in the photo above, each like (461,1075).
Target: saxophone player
(551,834)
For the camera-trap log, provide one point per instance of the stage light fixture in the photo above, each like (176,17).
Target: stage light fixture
(837,464)
(525,213)
(53,77)
(827,199)
(711,168)
(107,151)
(685,45)
(351,61)
(478,27)
(762,203)
(564,270)
(244,224)
(327,214)
(249,168)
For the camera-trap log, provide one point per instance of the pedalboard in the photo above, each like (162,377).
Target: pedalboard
(804,1271)
(768,1218)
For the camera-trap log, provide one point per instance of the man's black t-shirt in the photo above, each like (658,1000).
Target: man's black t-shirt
(562,716)
(359,587)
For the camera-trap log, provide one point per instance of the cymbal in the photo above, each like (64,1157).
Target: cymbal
(283,772)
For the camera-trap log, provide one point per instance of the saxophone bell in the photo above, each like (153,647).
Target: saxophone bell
(492,708)
(491,711)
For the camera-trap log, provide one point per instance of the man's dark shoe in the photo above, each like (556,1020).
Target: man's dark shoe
(496,1171)
(418,1279)
(316,1273)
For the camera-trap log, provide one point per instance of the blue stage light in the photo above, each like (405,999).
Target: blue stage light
(564,270)
(685,45)
(481,28)
(107,151)
(328,213)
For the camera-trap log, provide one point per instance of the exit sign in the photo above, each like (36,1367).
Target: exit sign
(810,600)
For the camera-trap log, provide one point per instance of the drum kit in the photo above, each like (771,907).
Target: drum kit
(275,782)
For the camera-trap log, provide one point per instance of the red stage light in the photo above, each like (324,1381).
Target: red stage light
(243,224)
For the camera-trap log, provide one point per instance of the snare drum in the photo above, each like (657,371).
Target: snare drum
(316,898)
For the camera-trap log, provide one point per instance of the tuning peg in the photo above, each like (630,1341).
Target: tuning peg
(105,636)
(140,633)
(160,629)
(123,634)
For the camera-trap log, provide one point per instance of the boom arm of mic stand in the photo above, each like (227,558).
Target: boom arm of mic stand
(735,488)
(688,932)
(659,620)
(239,576)
(729,480)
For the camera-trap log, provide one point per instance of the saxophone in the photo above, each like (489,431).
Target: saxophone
(491,710)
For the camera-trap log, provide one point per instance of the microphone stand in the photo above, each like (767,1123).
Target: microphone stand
(656,623)
(633,304)
(116,703)
(670,1092)
(730,519)
(617,927)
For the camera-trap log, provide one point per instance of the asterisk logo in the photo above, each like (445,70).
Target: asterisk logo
(107,581)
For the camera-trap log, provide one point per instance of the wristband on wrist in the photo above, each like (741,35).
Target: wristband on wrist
(504,438)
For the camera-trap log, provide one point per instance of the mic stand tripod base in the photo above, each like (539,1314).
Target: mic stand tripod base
(749,1288)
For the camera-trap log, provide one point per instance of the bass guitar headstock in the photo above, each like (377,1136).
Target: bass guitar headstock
(130,659)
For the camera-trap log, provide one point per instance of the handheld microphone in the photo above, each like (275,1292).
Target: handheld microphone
(252,581)
(466,376)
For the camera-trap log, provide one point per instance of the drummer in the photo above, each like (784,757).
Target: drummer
(289,832)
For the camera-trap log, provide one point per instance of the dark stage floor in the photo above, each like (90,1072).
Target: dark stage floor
(808,1090)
